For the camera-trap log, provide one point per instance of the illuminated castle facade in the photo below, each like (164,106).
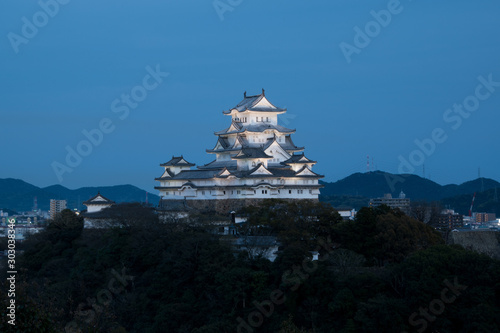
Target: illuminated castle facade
(255,158)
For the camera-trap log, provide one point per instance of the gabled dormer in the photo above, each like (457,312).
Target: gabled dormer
(298,161)
(260,170)
(224,173)
(167,173)
(177,164)
(235,127)
(239,143)
(250,157)
(306,172)
(273,148)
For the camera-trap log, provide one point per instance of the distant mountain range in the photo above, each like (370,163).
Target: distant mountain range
(353,191)
(18,195)
(376,183)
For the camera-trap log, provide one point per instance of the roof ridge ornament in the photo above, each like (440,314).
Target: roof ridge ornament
(245,94)
(263,92)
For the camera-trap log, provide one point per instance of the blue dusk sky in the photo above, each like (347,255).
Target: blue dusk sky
(409,83)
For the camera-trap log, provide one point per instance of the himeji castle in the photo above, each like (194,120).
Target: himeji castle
(255,159)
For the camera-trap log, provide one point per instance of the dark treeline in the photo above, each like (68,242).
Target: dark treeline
(384,272)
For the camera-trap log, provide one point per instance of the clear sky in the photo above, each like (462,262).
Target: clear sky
(358,78)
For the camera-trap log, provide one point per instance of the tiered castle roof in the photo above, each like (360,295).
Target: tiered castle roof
(98,199)
(253,146)
(256,103)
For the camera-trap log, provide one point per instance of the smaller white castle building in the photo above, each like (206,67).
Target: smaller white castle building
(97,203)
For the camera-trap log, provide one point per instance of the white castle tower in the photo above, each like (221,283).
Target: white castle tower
(255,158)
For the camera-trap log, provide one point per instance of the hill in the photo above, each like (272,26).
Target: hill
(487,201)
(16,194)
(353,191)
(356,190)
(376,183)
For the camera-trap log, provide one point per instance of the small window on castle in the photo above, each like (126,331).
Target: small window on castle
(238,192)
(267,119)
(224,192)
(289,191)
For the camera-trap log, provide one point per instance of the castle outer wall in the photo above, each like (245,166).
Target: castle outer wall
(220,207)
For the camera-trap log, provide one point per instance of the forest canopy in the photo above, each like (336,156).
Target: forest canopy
(383,272)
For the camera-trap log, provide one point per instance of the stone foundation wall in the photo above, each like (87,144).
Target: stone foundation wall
(487,242)
(221,207)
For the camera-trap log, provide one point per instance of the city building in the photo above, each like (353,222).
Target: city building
(21,231)
(24,226)
(254,159)
(56,206)
(484,217)
(449,220)
(401,202)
